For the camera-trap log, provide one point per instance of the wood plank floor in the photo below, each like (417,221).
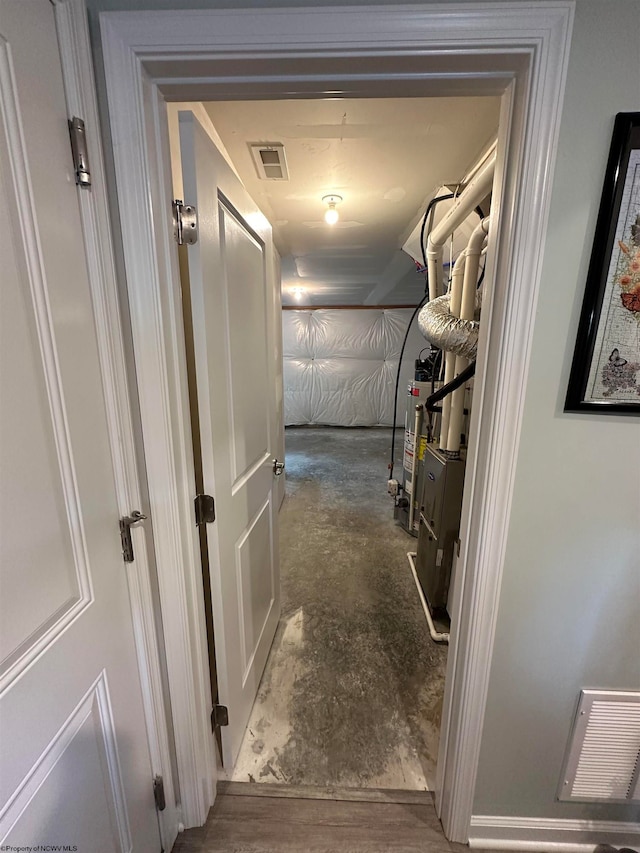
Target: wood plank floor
(296,821)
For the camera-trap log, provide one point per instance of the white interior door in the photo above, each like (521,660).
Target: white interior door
(231,274)
(74,759)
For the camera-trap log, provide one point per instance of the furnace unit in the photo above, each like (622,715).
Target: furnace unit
(440,506)
(449,319)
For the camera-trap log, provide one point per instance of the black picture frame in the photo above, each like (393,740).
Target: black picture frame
(598,382)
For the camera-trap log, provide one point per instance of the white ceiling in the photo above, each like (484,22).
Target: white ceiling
(385,157)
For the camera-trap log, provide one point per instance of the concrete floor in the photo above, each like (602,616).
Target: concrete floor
(352,691)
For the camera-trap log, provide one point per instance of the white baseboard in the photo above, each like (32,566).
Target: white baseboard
(549,835)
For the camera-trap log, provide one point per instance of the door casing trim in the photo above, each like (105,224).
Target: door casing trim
(517,49)
(81,100)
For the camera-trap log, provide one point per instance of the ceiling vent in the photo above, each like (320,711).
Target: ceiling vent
(603,761)
(270,161)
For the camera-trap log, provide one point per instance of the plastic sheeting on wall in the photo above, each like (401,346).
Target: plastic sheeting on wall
(340,365)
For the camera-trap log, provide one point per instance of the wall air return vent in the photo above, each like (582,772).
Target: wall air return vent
(270,161)
(603,761)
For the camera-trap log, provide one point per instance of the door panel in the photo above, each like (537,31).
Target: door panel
(247,352)
(35,457)
(74,758)
(84,749)
(256,585)
(232,301)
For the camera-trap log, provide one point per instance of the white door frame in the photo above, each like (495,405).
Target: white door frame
(519,50)
(81,100)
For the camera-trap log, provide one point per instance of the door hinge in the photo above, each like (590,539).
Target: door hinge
(185,223)
(205,509)
(219,717)
(79,152)
(158,793)
(126,524)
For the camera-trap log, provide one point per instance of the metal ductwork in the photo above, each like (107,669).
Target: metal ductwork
(448,332)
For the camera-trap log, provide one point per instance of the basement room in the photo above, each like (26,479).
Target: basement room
(326,210)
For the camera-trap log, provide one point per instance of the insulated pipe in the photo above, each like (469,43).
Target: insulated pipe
(467,310)
(472,195)
(446,331)
(455,301)
(449,333)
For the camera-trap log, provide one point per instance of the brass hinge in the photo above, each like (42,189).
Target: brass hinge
(219,717)
(205,509)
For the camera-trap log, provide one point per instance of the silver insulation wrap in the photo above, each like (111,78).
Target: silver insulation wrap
(447,332)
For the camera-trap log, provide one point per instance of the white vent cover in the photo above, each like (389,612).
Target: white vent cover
(603,761)
(269,160)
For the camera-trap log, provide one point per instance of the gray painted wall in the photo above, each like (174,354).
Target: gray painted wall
(569,613)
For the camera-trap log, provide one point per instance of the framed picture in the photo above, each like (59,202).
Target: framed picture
(605,373)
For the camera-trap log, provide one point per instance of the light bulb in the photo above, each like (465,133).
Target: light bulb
(331,215)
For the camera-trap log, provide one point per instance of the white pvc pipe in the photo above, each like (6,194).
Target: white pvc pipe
(472,195)
(473,171)
(434,270)
(467,310)
(436,636)
(450,359)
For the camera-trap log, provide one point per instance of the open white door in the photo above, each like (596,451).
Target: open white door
(74,757)
(231,274)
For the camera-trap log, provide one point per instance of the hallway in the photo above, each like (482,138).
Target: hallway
(352,691)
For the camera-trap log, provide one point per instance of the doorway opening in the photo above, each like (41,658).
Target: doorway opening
(154,57)
(352,691)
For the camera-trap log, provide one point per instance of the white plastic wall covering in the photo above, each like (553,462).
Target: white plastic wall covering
(604,752)
(340,365)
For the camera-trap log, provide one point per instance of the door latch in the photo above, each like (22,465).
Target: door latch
(126,523)
(278,467)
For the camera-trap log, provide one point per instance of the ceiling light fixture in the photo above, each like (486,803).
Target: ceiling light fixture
(298,293)
(331,215)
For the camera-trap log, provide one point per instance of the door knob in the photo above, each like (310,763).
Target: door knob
(278,467)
